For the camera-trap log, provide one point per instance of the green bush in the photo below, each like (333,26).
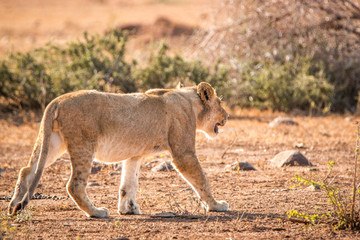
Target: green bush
(95,63)
(164,71)
(286,85)
(24,80)
(34,78)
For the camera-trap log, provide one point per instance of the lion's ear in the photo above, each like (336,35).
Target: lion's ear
(179,85)
(205,91)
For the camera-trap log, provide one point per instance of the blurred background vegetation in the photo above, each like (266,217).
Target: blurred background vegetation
(285,55)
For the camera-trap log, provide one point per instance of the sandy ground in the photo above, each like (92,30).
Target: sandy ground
(258,199)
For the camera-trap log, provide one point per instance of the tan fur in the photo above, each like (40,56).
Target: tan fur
(117,127)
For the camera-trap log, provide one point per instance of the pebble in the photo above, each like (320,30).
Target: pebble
(164,166)
(290,158)
(242,166)
(282,121)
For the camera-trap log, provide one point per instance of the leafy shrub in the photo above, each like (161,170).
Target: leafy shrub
(163,71)
(34,78)
(24,80)
(298,83)
(95,63)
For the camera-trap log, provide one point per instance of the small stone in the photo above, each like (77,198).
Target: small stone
(243,166)
(151,164)
(95,169)
(349,119)
(165,215)
(315,187)
(290,158)
(112,173)
(117,166)
(282,121)
(2,170)
(186,189)
(94,184)
(299,145)
(164,166)
(37,196)
(312,169)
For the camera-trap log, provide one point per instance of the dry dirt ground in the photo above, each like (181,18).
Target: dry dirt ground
(258,199)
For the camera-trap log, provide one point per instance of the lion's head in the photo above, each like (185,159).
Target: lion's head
(213,114)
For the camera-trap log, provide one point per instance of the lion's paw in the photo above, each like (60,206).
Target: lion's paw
(100,213)
(129,208)
(220,206)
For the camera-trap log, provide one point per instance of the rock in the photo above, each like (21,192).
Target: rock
(93,184)
(349,119)
(117,166)
(164,166)
(315,187)
(282,121)
(312,169)
(2,170)
(112,173)
(290,158)
(95,169)
(151,164)
(299,145)
(243,166)
(165,215)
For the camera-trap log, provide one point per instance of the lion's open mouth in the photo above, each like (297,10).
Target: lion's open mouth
(216,128)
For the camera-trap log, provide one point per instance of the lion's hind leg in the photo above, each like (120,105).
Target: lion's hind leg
(81,161)
(27,182)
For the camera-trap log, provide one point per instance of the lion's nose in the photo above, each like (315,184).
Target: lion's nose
(225,119)
(226,115)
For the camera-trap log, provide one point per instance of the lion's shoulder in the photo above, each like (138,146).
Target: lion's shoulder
(159,91)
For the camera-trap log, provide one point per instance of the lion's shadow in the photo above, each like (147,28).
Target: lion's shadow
(213,217)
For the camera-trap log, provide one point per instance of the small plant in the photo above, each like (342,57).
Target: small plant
(7,230)
(346,208)
(9,224)
(307,218)
(117,224)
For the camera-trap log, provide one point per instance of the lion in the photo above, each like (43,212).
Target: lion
(113,127)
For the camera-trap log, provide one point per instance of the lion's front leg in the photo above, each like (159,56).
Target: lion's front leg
(190,169)
(128,187)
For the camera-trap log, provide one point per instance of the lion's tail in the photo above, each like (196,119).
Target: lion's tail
(45,131)
(25,186)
